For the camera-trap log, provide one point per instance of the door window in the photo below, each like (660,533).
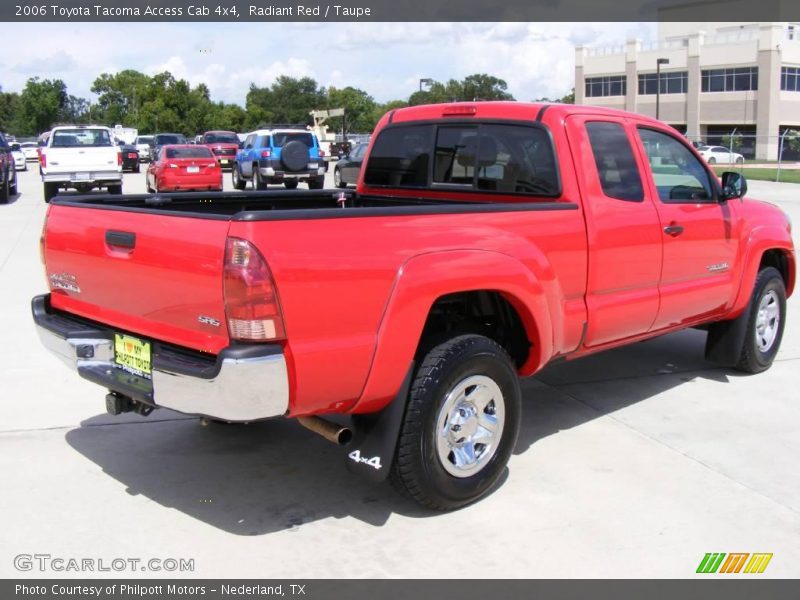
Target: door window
(679,175)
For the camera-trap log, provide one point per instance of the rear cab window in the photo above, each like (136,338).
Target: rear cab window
(195,152)
(472,157)
(83,137)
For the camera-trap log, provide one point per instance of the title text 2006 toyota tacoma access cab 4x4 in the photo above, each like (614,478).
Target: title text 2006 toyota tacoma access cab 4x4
(484,241)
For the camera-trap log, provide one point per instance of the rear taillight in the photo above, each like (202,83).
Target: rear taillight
(119,158)
(266,153)
(252,308)
(132,155)
(42,157)
(172,165)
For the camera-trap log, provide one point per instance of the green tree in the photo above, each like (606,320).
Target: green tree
(9,107)
(288,100)
(476,87)
(40,104)
(359,109)
(565,99)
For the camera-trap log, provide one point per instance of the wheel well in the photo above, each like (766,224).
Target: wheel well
(483,312)
(777,259)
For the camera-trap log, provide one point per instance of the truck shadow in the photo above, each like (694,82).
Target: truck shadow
(271,476)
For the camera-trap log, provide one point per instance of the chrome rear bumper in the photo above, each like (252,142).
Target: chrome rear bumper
(243,383)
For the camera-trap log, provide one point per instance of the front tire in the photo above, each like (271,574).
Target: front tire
(4,190)
(766,318)
(337,178)
(236,178)
(50,191)
(461,424)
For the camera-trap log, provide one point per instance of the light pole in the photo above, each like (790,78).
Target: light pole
(426,81)
(659,62)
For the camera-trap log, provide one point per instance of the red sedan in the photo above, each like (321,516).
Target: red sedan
(184,168)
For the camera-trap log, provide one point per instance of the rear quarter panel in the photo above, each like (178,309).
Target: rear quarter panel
(336,278)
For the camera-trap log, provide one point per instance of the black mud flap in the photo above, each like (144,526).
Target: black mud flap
(371,452)
(726,339)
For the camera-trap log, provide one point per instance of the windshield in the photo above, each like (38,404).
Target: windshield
(191,152)
(220,137)
(79,138)
(169,138)
(29,145)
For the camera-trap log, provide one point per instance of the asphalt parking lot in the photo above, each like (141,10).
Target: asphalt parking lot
(632,463)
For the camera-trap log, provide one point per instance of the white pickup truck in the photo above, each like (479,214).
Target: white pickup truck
(82,157)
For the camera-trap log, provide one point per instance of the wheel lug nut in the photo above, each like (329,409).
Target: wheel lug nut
(456,427)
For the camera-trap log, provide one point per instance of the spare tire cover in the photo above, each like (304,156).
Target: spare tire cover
(294,156)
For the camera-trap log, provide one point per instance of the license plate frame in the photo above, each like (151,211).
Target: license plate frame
(82,176)
(193,170)
(133,355)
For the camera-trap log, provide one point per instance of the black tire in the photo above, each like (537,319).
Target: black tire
(712,160)
(291,184)
(259,183)
(236,178)
(50,191)
(316,183)
(136,169)
(294,156)
(740,160)
(754,359)
(5,189)
(419,469)
(115,190)
(337,178)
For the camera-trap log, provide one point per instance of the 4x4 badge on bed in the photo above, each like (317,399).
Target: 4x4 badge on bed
(64,281)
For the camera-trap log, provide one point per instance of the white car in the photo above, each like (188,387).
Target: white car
(20,162)
(720,154)
(30,150)
(143,144)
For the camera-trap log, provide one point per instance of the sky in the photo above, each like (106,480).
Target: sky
(387,60)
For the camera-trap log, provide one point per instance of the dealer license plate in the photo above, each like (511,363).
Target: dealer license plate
(224,161)
(132,355)
(192,169)
(81,177)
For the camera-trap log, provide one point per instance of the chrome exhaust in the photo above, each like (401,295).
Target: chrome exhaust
(333,432)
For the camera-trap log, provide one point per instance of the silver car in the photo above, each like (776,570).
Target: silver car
(20,163)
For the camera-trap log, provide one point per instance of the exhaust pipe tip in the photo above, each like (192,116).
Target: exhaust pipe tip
(333,432)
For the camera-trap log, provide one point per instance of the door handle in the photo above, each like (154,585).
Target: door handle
(673,229)
(121,239)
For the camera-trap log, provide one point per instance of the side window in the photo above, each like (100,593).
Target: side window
(400,157)
(616,167)
(248,142)
(262,141)
(678,174)
(515,159)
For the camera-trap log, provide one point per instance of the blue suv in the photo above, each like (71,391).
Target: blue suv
(286,156)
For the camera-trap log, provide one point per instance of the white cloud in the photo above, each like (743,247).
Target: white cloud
(385,59)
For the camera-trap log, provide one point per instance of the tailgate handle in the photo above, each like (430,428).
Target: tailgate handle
(121,239)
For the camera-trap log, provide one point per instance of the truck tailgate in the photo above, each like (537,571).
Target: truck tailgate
(155,275)
(77,159)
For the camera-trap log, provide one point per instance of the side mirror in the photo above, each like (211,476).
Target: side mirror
(734,185)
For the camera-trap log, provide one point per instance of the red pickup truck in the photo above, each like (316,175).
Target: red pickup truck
(485,240)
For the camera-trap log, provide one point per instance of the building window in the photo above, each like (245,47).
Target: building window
(613,85)
(675,82)
(790,79)
(740,79)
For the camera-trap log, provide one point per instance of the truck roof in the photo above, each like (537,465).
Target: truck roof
(509,110)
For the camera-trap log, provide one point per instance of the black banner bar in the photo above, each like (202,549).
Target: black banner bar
(399,11)
(712,588)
